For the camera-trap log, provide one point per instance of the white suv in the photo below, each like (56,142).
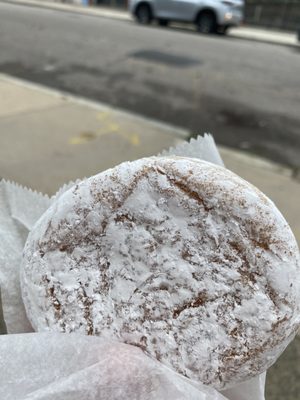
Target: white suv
(209,15)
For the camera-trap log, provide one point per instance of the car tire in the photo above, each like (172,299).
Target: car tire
(222,30)
(163,22)
(206,22)
(144,14)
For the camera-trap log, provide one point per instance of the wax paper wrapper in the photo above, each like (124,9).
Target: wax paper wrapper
(19,210)
(75,367)
(51,366)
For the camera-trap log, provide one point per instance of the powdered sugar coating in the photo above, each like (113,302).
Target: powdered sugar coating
(177,256)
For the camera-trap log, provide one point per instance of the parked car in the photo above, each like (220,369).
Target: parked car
(209,16)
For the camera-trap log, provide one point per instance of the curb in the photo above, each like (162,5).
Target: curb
(257,161)
(180,133)
(265,36)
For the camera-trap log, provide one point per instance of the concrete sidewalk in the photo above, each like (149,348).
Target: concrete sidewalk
(243,32)
(48,138)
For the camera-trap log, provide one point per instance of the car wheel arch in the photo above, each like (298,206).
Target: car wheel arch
(207,20)
(203,11)
(144,3)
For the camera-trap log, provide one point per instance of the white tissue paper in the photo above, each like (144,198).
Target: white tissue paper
(74,367)
(20,208)
(203,148)
(36,366)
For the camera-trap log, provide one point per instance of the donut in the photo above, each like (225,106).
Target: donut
(177,256)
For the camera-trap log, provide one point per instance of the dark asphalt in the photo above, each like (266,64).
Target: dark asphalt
(247,94)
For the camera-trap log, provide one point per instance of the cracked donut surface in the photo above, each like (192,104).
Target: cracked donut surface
(177,256)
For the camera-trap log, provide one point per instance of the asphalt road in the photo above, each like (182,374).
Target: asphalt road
(246,93)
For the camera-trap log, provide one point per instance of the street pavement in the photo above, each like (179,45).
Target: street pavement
(246,92)
(48,138)
(243,32)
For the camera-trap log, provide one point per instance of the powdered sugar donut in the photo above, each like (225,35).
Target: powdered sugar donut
(177,256)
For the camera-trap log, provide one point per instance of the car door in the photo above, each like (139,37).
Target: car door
(165,9)
(185,10)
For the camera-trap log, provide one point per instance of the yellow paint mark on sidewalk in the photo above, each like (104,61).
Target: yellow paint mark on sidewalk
(134,139)
(108,126)
(113,127)
(83,137)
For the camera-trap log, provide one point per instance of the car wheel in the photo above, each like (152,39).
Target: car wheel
(206,22)
(163,22)
(222,30)
(143,14)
